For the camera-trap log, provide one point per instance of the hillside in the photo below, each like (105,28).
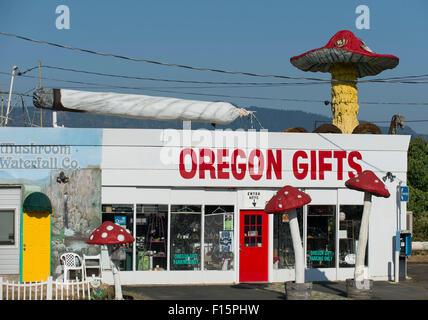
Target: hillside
(271,119)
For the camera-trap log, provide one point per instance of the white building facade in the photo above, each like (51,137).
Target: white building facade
(194,200)
(215,184)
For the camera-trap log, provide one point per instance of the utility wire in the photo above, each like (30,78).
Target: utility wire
(380,80)
(155,62)
(178,65)
(168,80)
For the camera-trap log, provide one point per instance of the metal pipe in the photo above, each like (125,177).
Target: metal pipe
(10,95)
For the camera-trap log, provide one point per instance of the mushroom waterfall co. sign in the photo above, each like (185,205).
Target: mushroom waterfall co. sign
(33,152)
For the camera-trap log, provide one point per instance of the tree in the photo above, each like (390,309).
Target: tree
(417,180)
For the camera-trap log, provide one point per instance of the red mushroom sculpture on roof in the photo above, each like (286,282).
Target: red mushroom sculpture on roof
(371,185)
(347,58)
(288,199)
(111,234)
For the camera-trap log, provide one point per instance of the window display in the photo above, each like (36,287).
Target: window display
(283,252)
(349,230)
(151,237)
(185,237)
(218,238)
(7,227)
(123,215)
(321,236)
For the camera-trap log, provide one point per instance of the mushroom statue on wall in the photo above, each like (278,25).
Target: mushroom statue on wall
(371,185)
(111,234)
(347,58)
(288,199)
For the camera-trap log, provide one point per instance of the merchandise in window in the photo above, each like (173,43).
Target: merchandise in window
(151,237)
(283,251)
(321,236)
(7,227)
(185,237)
(218,238)
(349,230)
(122,215)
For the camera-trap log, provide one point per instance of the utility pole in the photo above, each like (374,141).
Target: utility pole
(40,85)
(1,120)
(10,95)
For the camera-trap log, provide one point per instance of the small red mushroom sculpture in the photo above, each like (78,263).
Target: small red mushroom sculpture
(111,234)
(371,185)
(288,199)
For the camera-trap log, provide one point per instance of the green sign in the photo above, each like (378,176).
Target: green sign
(321,255)
(185,258)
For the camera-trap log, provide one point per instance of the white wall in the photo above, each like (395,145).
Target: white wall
(133,171)
(10,199)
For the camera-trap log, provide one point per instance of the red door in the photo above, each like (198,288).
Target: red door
(253,244)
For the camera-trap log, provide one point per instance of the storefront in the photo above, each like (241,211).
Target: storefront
(194,201)
(205,192)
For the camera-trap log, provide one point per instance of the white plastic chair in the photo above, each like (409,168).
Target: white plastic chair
(72,261)
(88,265)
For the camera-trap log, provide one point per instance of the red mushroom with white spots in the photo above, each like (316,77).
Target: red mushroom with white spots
(370,184)
(111,234)
(288,199)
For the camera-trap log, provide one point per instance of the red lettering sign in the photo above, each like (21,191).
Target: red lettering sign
(319,162)
(237,164)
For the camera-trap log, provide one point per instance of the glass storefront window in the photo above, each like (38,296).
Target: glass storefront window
(321,236)
(185,253)
(218,238)
(349,230)
(123,215)
(151,237)
(7,227)
(283,251)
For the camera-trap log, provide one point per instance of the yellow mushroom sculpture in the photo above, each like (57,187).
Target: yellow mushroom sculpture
(347,58)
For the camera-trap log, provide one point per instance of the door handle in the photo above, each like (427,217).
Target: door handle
(24,247)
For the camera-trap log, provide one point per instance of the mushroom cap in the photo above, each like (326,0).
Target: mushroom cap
(367,181)
(344,46)
(286,199)
(109,233)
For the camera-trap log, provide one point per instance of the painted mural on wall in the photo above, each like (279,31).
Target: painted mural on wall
(64,164)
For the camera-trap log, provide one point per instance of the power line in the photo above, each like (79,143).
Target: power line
(180,65)
(318,81)
(326,102)
(155,62)
(168,80)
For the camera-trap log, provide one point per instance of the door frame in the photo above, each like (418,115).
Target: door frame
(266,239)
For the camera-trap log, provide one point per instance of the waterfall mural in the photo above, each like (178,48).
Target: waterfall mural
(64,164)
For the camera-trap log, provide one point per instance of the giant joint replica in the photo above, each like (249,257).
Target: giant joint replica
(347,58)
(136,106)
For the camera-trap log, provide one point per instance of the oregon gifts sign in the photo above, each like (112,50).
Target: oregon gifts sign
(197,158)
(237,164)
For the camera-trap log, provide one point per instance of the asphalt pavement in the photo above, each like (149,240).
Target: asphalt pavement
(414,288)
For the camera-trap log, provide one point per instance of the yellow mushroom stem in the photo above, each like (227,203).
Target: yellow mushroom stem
(344,96)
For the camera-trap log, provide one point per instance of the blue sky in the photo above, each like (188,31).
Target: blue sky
(249,36)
